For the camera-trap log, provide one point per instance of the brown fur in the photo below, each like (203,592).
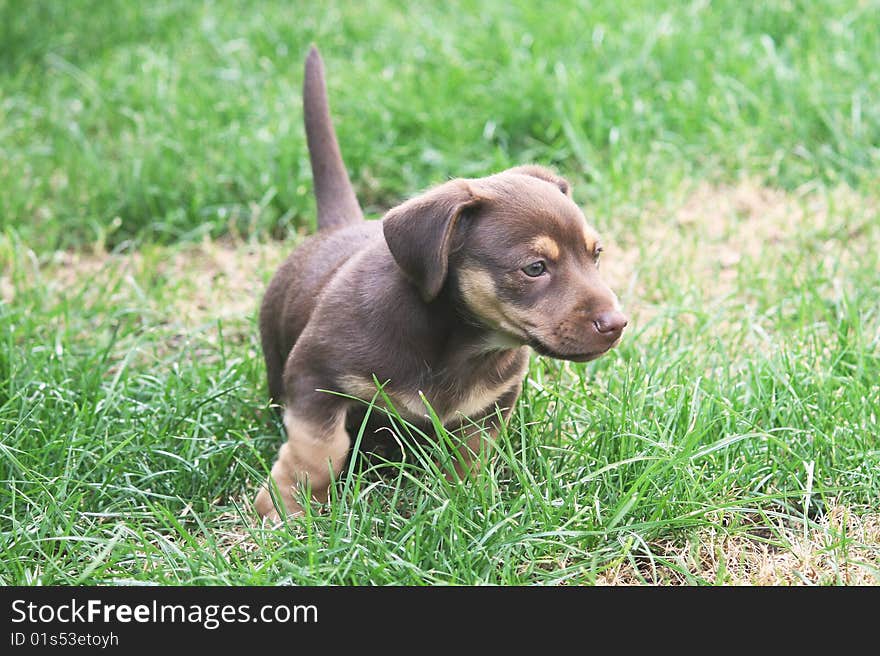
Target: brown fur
(432,300)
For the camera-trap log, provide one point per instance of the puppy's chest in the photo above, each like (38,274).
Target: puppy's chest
(453,395)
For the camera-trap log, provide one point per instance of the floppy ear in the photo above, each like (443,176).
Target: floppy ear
(544,174)
(419,233)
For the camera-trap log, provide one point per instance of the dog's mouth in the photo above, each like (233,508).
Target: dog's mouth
(542,349)
(516,334)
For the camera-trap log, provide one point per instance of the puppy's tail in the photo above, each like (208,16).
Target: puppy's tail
(337,204)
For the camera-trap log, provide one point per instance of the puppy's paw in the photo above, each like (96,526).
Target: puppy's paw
(266,508)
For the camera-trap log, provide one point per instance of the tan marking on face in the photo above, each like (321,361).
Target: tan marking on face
(478,291)
(591,238)
(546,246)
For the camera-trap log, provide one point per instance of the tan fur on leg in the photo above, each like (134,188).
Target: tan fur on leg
(312,451)
(475,447)
(470,456)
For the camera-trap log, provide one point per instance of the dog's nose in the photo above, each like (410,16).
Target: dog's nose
(610,324)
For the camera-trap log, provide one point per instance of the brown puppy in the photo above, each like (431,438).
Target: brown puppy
(443,298)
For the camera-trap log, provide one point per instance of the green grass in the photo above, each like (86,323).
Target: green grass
(134,428)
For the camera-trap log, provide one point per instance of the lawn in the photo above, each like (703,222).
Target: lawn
(153,174)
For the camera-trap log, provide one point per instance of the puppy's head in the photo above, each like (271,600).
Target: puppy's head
(518,254)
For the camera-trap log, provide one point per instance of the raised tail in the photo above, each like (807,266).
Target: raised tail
(337,204)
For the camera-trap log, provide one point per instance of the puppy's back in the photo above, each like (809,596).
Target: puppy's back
(297,286)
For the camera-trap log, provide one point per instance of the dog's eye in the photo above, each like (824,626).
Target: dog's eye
(596,253)
(534,269)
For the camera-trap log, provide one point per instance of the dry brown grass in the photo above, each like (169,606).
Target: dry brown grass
(715,238)
(213,279)
(203,282)
(842,548)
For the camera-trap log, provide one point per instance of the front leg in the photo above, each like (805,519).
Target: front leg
(475,442)
(316,449)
